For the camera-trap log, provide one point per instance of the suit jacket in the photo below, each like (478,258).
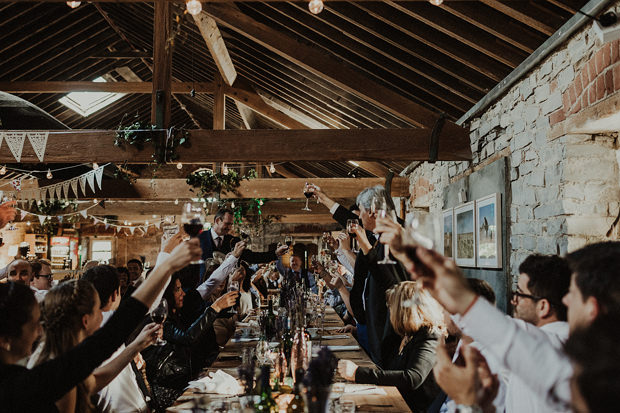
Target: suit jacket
(228,242)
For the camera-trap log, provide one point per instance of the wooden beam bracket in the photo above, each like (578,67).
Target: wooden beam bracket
(433,150)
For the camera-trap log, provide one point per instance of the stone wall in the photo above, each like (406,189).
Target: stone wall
(563,189)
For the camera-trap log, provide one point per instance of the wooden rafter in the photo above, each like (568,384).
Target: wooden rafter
(219,104)
(213,38)
(518,13)
(162,65)
(109,87)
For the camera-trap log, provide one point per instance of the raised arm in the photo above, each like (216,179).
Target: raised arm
(221,273)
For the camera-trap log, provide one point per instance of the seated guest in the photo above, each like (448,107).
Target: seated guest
(297,274)
(20,271)
(37,390)
(409,356)
(72,312)
(42,278)
(123,278)
(170,367)
(127,392)
(245,296)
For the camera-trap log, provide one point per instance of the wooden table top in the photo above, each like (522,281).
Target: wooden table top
(230,358)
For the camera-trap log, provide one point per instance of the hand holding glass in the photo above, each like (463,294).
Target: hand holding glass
(159,315)
(193,219)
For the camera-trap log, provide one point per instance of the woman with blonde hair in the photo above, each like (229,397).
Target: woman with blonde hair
(409,352)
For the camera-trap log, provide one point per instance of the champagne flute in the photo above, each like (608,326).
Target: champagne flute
(308,192)
(233,286)
(159,315)
(352,226)
(383,211)
(193,219)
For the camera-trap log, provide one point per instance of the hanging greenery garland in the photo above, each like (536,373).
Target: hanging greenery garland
(209,183)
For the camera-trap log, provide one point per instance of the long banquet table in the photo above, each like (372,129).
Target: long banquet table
(230,358)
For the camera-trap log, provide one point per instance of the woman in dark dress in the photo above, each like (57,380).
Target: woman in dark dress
(36,390)
(409,353)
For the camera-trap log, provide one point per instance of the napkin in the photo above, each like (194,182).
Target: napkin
(343,348)
(244,339)
(359,389)
(220,383)
(334,337)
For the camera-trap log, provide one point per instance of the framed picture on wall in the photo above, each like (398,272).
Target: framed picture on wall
(465,235)
(489,231)
(447,240)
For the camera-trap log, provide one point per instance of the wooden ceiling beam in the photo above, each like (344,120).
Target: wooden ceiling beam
(162,65)
(374,168)
(247,115)
(513,10)
(215,43)
(321,65)
(219,104)
(272,188)
(109,87)
(260,145)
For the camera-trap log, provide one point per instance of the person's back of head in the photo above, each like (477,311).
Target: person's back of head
(595,353)
(596,272)
(16,304)
(105,279)
(549,278)
(364,198)
(482,288)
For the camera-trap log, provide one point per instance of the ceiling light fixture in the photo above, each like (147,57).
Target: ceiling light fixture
(435,2)
(315,6)
(74,4)
(193,7)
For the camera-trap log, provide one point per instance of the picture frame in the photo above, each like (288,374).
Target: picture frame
(489,231)
(447,230)
(465,235)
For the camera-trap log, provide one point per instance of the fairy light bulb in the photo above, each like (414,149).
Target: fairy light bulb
(435,2)
(28,223)
(180,165)
(129,223)
(232,204)
(315,6)
(95,165)
(146,222)
(176,202)
(74,4)
(3,170)
(272,168)
(153,216)
(49,174)
(260,202)
(225,169)
(193,7)
(95,201)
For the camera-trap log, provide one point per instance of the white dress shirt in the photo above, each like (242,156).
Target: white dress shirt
(39,294)
(217,277)
(520,397)
(122,394)
(525,350)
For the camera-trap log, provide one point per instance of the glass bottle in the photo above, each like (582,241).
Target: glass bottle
(267,402)
(297,405)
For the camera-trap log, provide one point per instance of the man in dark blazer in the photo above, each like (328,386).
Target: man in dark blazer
(219,239)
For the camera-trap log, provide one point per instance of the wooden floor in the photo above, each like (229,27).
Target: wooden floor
(230,358)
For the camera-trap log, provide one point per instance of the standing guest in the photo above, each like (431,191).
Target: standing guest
(298,274)
(409,354)
(134,266)
(37,390)
(42,278)
(123,279)
(20,271)
(219,239)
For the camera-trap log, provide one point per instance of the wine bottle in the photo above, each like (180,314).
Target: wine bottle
(297,405)
(299,352)
(267,403)
(271,321)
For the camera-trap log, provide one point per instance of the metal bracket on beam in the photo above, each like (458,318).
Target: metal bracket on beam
(433,150)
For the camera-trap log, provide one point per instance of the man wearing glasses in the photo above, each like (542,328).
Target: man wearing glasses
(42,280)
(543,281)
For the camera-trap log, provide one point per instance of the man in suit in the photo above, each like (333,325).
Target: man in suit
(297,273)
(219,239)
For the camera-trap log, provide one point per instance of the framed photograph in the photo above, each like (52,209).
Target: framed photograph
(465,235)
(489,231)
(447,240)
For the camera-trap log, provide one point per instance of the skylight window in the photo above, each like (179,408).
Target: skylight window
(86,103)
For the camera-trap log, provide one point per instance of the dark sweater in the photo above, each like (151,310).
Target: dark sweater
(410,371)
(36,390)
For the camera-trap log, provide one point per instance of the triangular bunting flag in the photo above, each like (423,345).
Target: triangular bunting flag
(1,137)
(38,140)
(82,180)
(15,140)
(58,189)
(51,192)
(132,229)
(60,218)
(43,194)
(74,187)
(95,220)
(107,226)
(84,213)
(22,214)
(41,218)
(65,190)
(91,180)
(99,175)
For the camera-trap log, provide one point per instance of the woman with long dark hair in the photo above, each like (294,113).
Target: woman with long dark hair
(37,390)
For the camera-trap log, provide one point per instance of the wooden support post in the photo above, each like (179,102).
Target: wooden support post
(162,65)
(219,104)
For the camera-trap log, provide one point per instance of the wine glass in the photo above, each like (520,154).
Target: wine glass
(382,210)
(352,226)
(193,219)
(159,315)
(233,286)
(288,240)
(308,192)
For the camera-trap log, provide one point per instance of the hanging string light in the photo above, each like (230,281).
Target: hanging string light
(435,2)
(95,165)
(49,174)
(180,165)
(176,201)
(193,7)
(3,170)
(74,4)
(315,6)
(95,201)
(232,204)
(272,168)
(224,169)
